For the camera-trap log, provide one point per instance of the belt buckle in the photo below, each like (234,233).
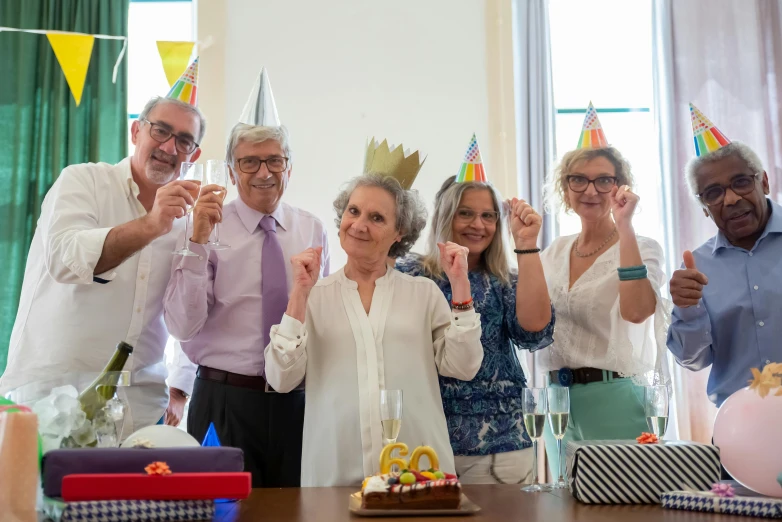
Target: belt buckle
(565,377)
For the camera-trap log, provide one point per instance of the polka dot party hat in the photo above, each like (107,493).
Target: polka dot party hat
(706,136)
(186,87)
(472,167)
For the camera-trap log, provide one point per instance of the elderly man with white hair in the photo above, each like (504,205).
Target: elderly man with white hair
(221,304)
(728,293)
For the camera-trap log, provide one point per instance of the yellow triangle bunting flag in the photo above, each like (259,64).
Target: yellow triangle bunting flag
(73,51)
(175,57)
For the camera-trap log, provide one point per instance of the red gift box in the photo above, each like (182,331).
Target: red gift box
(178,486)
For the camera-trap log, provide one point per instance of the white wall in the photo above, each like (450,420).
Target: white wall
(346,70)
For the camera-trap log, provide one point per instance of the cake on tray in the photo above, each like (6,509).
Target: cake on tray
(409,487)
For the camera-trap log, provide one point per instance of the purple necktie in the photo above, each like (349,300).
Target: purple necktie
(274,283)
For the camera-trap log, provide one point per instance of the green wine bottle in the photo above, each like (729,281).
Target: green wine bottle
(96,395)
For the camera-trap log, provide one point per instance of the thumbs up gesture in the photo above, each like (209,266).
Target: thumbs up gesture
(687,284)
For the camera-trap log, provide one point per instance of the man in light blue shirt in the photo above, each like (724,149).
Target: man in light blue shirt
(728,295)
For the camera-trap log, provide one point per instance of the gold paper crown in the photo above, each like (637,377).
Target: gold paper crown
(396,162)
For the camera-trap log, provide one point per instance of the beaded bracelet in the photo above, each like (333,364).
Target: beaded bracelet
(632,273)
(466,305)
(528,251)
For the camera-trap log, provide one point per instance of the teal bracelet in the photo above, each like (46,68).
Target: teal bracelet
(632,273)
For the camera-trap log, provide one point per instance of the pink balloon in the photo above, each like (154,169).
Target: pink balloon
(748,431)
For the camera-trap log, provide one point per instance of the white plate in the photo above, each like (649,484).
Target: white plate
(160,436)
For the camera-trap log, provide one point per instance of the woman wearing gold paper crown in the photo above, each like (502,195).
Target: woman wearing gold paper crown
(484,415)
(605,285)
(369,327)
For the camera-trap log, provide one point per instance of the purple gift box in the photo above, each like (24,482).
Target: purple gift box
(62,462)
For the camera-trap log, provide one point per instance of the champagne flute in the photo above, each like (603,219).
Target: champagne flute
(656,406)
(391,414)
(558,413)
(190,172)
(534,408)
(217,174)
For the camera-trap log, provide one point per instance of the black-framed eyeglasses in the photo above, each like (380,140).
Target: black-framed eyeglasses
(251,164)
(161,134)
(740,185)
(603,184)
(467,215)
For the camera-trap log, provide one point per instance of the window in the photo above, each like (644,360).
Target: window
(148,22)
(602,52)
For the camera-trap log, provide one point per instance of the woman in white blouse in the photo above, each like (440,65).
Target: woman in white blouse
(605,286)
(369,327)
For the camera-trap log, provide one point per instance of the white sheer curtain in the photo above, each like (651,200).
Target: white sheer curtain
(725,56)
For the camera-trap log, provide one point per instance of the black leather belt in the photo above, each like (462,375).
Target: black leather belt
(253,382)
(568,376)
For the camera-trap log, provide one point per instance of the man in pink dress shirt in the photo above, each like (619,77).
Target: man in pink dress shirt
(222,303)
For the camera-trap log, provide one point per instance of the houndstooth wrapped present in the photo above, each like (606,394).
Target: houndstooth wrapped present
(763,507)
(125,510)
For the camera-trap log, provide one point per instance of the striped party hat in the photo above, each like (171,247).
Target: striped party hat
(706,136)
(472,167)
(186,87)
(592,135)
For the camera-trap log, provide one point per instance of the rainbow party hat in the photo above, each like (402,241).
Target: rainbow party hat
(706,136)
(592,135)
(186,87)
(472,167)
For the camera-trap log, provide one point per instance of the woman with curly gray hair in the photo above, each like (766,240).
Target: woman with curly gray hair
(369,328)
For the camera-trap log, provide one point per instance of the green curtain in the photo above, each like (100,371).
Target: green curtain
(41,129)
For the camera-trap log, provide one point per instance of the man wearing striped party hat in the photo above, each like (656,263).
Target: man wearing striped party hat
(727,291)
(103,247)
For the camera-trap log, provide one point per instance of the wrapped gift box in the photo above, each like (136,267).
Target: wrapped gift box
(625,472)
(59,463)
(739,505)
(135,510)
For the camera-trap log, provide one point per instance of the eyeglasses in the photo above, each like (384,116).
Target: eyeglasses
(740,185)
(251,165)
(465,215)
(162,134)
(603,184)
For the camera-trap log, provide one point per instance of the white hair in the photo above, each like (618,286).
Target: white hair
(736,149)
(243,132)
(159,100)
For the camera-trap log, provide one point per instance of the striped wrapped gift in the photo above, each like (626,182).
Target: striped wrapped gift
(130,510)
(625,472)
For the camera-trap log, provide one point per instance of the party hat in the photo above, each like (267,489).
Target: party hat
(211,440)
(592,135)
(472,167)
(260,108)
(186,87)
(706,136)
(397,162)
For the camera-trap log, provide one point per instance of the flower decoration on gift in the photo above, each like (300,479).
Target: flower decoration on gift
(647,438)
(723,490)
(763,382)
(158,468)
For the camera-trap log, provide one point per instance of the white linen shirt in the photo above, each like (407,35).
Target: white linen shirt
(66,322)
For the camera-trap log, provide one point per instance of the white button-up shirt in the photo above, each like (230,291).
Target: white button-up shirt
(67,320)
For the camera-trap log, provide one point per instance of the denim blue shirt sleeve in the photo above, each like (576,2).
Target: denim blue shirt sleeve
(736,326)
(484,415)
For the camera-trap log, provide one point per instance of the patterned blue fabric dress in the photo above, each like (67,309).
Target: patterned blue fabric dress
(484,415)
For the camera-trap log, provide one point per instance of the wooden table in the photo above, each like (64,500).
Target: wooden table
(498,504)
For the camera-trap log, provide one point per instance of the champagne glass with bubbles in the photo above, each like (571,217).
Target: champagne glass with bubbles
(656,406)
(558,413)
(534,408)
(391,414)
(217,174)
(190,172)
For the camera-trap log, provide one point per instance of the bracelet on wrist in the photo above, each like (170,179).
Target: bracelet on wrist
(632,273)
(462,303)
(462,307)
(526,251)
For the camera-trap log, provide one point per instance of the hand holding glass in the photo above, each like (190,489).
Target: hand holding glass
(195,173)
(217,174)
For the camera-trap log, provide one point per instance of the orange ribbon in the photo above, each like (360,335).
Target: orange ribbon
(158,468)
(647,438)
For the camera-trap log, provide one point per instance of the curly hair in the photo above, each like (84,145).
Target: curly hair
(557,188)
(410,208)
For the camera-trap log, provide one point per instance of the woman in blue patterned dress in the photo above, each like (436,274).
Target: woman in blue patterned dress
(484,415)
